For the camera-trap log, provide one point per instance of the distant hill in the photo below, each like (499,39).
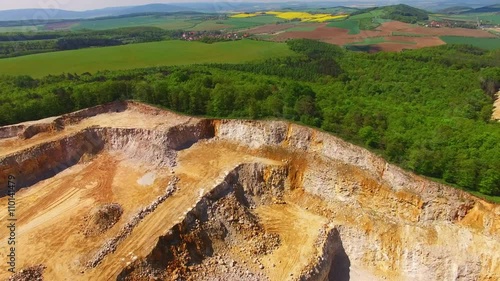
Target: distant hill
(154,8)
(43,14)
(455,10)
(405,13)
(399,12)
(205,7)
(488,9)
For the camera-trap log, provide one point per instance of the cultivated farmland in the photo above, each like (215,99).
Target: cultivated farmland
(166,22)
(485,43)
(142,55)
(391,36)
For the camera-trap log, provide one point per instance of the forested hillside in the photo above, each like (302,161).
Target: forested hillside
(427,110)
(401,12)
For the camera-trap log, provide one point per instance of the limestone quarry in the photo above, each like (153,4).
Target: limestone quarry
(126,191)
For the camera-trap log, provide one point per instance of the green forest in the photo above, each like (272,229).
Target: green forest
(426,110)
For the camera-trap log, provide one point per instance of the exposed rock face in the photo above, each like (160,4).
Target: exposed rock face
(47,159)
(496,107)
(419,230)
(370,214)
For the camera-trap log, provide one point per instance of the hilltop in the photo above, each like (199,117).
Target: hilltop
(401,12)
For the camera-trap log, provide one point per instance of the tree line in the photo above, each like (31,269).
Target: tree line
(20,44)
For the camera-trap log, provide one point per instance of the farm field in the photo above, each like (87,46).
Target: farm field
(166,22)
(249,22)
(351,25)
(389,36)
(484,17)
(289,15)
(209,25)
(141,55)
(19,28)
(195,23)
(485,43)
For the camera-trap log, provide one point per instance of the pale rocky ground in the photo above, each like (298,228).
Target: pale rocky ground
(195,199)
(496,108)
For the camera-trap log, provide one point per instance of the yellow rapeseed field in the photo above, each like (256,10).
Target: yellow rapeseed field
(245,15)
(303,16)
(327,18)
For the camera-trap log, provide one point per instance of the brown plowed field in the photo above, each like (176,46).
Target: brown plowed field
(390,27)
(418,36)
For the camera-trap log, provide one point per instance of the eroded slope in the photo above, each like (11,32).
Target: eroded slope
(229,200)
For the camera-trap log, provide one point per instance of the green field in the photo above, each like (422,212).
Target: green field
(485,43)
(365,21)
(484,17)
(142,55)
(177,22)
(377,40)
(407,34)
(19,28)
(209,25)
(370,41)
(369,15)
(351,25)
(166,22)
(241,23)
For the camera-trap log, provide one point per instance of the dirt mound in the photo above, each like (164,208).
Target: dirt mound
(34,273)
(101,219)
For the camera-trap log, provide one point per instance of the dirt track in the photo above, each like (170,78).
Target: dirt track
(239,201)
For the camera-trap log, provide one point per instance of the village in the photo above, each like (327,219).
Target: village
(211,36)
(479,24)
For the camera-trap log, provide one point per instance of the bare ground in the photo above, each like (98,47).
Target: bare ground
(496,109)
(423,36)
(224,207)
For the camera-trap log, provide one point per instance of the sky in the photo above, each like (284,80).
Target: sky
(80,5)
(77,5)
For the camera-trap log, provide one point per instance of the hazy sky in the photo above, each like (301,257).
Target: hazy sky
(79,5)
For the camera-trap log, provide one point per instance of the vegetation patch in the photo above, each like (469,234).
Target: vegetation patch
(351,25)
(484,43)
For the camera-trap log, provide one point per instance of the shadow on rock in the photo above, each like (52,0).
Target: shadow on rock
(340,269)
